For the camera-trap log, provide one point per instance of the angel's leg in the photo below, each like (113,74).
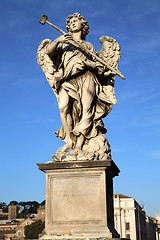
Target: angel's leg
(87,98)
(64,103)
(80,142)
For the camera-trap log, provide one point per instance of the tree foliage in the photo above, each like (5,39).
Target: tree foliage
(26,208)
(3,204)
(13,203)
(43,203)
(32,231)
(32,206)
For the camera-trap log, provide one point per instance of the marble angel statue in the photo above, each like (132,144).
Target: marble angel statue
(84,89)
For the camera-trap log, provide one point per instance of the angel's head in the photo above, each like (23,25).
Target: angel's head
(76,22)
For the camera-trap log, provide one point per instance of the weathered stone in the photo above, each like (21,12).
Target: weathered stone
(79,183)
(83,82)
(79,199)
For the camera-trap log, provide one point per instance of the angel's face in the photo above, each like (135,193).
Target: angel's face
(75,24)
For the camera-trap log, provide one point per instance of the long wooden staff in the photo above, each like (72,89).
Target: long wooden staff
(44,20)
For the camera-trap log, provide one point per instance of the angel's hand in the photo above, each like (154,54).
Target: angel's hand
(68,37)
(107,73)
(65,38)
(90,64)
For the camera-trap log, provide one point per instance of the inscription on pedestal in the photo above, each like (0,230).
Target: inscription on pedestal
(77,198)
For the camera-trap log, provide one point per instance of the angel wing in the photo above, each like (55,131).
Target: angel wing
(110,53)
(48,66)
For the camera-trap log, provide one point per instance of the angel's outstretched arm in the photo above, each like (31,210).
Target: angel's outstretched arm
(51,48)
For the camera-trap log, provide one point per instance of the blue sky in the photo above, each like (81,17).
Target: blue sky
(29,111)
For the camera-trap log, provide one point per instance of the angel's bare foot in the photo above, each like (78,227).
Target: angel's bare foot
(65,147)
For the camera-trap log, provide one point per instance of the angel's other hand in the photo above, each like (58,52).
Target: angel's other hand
(107,73)
(90,64)
(65,38)
(68,37)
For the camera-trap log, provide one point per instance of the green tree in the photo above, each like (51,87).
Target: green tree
(43,203)
(3,204)
(32,206)
(5,209)
(24,210)
(13,203)
(32,231)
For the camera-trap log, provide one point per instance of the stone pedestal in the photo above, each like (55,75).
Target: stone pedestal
(79,200)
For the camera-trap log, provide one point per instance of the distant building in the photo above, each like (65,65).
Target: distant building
(8,230)
(33,215)
(41,213)
(12,212)
(20,235)
(3,213)
(157,220)
(158,216)
(129,217)
(7,235)
(150,228)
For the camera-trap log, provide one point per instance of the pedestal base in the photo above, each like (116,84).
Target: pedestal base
(79,200)
(50,237)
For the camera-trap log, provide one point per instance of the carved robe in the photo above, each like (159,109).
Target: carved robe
(88,100)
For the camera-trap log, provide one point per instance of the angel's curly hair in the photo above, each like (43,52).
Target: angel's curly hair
(85,26)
